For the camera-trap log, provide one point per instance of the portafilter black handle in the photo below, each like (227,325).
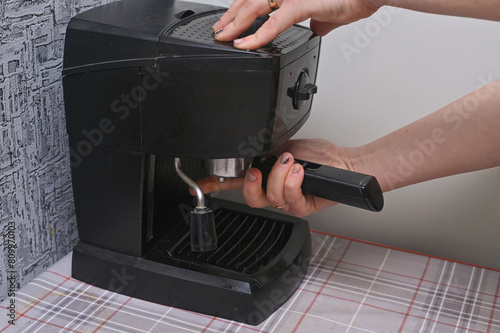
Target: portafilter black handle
(339,185)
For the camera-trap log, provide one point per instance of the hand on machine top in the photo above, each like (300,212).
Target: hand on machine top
(326,15)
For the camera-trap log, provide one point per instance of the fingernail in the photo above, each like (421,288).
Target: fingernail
(238,41)
(296,168)
(251,178)
(216,25)
(284,158)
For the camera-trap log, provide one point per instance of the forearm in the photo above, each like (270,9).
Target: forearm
(461,137)
(482,9)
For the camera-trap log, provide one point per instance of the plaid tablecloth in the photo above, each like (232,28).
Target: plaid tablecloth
(351,286)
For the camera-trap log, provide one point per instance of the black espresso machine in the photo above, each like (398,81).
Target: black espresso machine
(153,101)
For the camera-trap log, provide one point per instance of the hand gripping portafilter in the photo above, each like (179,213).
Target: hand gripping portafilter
(327,182)
(201,218)
(334,184)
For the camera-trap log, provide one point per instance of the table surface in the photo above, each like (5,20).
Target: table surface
(351,286)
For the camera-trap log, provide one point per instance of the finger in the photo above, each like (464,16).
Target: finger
(252,189)
(323,28)
(212,184)
(296,200)
(243,19)
(300,204)
(281,20)
(276,180)
(228,15)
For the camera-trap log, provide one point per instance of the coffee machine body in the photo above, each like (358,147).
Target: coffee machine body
(144,84)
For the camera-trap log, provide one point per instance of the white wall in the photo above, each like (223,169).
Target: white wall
(408,65)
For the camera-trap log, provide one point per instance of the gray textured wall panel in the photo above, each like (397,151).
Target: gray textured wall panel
(36,203)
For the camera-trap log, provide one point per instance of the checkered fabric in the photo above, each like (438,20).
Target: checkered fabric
(351,286)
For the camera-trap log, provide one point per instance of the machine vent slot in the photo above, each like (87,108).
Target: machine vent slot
(198,28)
(246,243)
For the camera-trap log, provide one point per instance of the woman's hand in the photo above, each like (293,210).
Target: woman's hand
(325,16)
(285,179)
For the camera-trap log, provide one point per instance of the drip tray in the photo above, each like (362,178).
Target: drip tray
(247,243)
(260,261)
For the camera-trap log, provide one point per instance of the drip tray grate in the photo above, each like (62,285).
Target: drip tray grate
(246,243)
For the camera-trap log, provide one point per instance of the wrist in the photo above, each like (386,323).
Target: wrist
(365,160)
(357,162)
(376,4)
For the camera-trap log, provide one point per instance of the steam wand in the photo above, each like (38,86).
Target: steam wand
(202,221)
